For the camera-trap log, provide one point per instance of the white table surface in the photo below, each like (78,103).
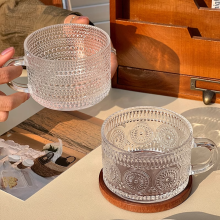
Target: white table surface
(75,194)
(21,113)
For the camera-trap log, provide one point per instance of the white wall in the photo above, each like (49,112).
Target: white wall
(96,10)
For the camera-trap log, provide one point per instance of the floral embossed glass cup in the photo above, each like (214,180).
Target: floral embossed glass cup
(146,154)
(68,66)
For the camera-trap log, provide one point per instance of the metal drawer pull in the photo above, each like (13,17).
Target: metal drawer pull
(207,94)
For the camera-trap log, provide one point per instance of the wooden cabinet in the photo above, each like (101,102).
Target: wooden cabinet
(163,45)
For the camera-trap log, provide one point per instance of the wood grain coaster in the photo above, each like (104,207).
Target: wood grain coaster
(140,207)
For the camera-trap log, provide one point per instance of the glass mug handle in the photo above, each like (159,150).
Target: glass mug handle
(18,61)
(203,167)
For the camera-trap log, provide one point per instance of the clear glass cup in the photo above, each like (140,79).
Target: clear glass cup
(146,154)
(68,66)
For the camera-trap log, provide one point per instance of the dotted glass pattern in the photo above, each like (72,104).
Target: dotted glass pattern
(146,153)
(68,66)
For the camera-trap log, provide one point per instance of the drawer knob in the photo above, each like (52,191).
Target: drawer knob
(207,96)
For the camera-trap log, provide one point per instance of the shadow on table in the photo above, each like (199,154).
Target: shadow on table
(126,99)
(206,123)
(193,216)
(189,216)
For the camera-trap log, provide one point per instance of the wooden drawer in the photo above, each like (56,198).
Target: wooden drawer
(166,48)
(162,83)
(196,14)
(150,37)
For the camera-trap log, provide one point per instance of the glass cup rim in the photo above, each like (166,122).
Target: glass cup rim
(145,107)
(63,25)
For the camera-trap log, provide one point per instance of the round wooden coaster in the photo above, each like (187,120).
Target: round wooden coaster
(140,207)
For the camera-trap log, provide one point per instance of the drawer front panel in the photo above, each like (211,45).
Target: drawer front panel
(165,48)
(160,83)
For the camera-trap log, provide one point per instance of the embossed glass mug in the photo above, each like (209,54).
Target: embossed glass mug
(146,154)
(68,66)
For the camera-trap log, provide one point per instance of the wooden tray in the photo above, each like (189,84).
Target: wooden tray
(140,207)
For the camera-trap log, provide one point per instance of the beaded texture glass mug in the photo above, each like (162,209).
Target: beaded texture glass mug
(68,66)
(146,154)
